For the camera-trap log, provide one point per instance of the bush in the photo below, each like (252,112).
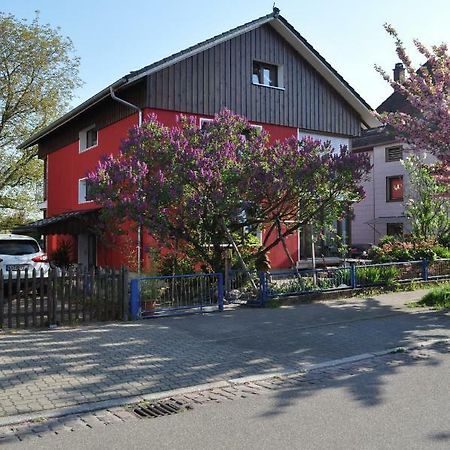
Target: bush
(437,298)
(367,276)
(62,256)
(173,264)
(442,252)
(392,248)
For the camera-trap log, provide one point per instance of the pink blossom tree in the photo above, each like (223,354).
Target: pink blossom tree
(198,189)
(427,90)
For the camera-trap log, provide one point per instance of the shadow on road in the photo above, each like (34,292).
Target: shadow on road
(62,368)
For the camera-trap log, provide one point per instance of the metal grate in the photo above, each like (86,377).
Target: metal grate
(159,409)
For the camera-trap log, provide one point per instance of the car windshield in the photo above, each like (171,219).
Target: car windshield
(15,247)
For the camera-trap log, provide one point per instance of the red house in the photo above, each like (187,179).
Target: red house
(264,70)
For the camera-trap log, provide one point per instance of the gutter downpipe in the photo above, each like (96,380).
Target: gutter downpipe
(139,230)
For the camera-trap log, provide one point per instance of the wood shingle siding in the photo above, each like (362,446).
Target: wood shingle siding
(221,77)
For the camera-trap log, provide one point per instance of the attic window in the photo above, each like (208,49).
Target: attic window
(88,138)
(394,154)
(266,74)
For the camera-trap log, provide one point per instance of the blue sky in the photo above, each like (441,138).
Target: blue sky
(115,37)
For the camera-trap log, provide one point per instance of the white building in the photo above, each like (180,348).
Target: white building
(383,210)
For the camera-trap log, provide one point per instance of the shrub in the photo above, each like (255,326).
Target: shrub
(407,249)
(441,251)
(62,256)
(173,264)
(437,298)
(384,275)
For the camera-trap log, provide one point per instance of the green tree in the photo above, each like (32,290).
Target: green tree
(427,207)
(38,74)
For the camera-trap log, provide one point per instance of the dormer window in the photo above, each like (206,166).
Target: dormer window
(88,138)
(266,74)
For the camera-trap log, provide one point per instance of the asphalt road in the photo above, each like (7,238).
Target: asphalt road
(396,404)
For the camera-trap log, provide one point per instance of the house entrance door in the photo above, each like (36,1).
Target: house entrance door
(87,250)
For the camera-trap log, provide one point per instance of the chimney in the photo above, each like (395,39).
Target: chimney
(399,73)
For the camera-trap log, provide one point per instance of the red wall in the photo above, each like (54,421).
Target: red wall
(67,165)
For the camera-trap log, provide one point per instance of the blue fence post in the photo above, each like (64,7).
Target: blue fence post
(135,300)
(263,287)
(425,269)
(220,291)
(353,280)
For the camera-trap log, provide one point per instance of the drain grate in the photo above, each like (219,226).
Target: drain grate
(159,409)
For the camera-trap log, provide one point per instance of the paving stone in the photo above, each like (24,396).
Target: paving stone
(42,370)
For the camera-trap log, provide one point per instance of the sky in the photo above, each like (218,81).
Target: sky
(115,37)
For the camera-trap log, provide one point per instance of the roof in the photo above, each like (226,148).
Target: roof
(373,137)
(279,23)
(58,224)
(396,102)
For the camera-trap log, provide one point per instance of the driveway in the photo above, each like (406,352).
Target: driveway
(44,370)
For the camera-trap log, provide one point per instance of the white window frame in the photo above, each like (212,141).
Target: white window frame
(82,191)
(280,75)
(82,136)
(204,120)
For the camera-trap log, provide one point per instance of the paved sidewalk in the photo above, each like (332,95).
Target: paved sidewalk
(43,370)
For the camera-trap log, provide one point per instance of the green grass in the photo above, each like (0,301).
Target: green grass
(438,298)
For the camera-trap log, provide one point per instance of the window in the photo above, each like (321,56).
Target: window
(204,123)
(394,154)
(88,138)
(394,188)
(394,229)
(266,74)
(84,191)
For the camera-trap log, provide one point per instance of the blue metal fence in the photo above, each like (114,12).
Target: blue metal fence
(242,286)
(295,282)
(438,269)
(386,274)
(163,295)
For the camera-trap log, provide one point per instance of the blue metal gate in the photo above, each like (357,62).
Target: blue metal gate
(166,295)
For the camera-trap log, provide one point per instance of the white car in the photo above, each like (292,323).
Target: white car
(18,253)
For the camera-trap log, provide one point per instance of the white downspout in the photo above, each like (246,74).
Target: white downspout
(139,230)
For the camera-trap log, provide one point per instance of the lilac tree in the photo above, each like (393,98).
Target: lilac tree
(197,189)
